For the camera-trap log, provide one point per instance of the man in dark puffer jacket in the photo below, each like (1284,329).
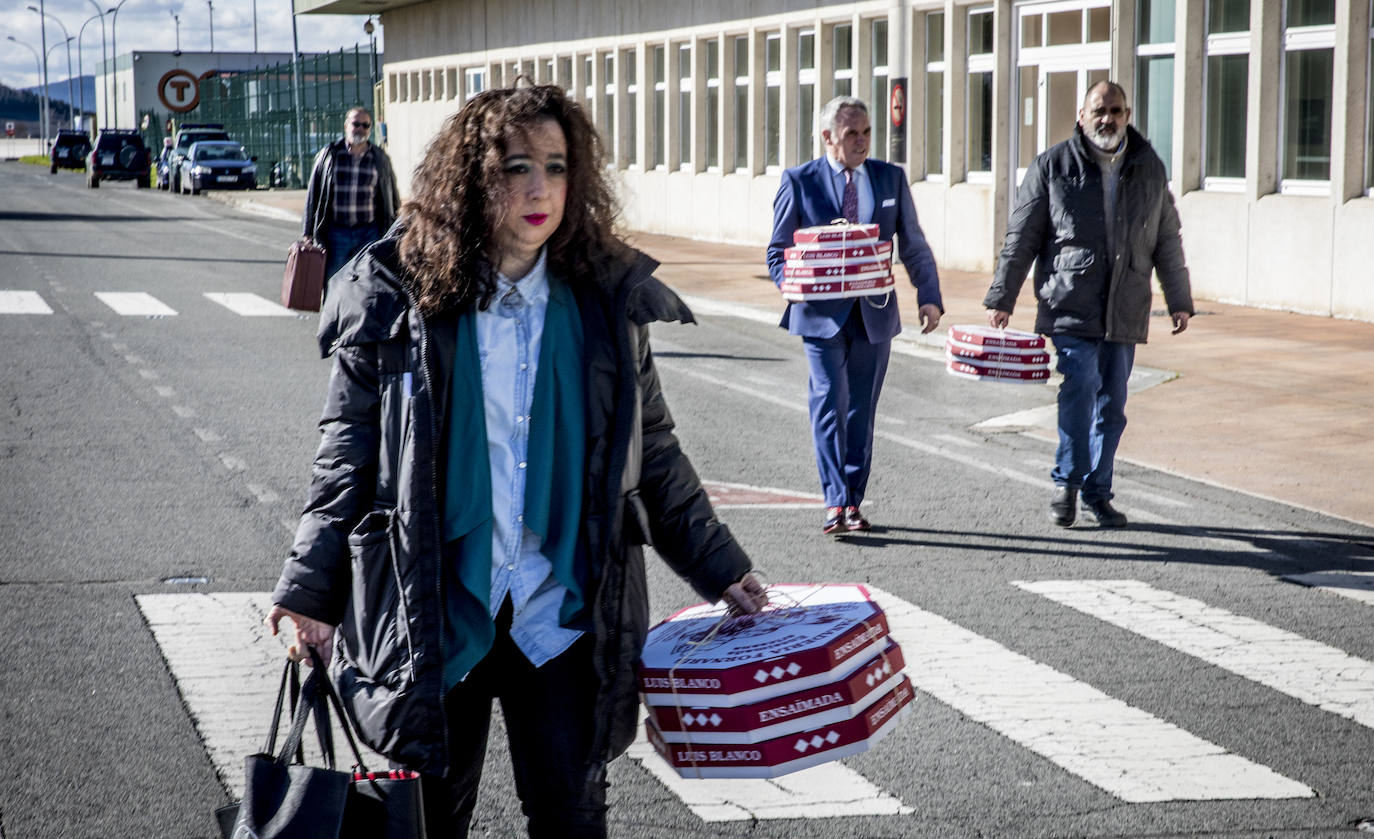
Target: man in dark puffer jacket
(1095,215)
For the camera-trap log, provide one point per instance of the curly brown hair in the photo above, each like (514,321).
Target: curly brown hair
(448,246)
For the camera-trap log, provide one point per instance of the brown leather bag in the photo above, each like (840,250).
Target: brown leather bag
(302,287)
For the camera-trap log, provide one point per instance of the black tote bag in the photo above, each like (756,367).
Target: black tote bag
(285,799)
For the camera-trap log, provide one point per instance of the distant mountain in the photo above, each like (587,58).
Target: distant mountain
(23,109)
(57,90)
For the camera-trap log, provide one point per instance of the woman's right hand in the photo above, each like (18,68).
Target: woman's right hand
(309,633)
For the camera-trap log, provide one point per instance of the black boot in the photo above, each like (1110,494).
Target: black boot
(1105,513)
(1064,506)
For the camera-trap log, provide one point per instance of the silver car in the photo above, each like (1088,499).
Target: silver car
(216,164)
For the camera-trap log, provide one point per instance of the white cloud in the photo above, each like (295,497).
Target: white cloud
(148,25)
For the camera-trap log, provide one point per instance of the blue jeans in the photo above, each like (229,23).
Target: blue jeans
(1092,412)
(846,379)
(343,243)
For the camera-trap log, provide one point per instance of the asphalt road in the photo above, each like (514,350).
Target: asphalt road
(140,452)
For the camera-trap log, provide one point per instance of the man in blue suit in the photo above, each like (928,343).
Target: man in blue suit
(848,341)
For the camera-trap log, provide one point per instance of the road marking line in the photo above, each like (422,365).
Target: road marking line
(227,667)
(1126,751)
(207,435)
(23,303)
(249,305)
(232,463)
(1357,585)
(1125,488)
(134,303)
(1309,671)
(263,494)
(148,374)
(184,411)
(958,441)
(164,391)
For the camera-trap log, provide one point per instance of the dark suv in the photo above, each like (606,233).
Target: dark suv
(191,132)
(69,150)
(119,155)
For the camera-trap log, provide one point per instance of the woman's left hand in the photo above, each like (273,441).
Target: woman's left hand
(746,597)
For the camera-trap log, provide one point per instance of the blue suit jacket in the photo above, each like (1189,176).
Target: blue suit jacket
(805,198)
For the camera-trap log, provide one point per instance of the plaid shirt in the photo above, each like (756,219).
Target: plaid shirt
(355,183)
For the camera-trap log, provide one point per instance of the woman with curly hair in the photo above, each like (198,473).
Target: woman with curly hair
(495,451)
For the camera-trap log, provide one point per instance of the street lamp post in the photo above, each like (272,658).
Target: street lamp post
(104,59)
(176,18)
(52,130)
(369,28)
(80,70)
(43,100)
(71,91)
(211,4)
(114,49)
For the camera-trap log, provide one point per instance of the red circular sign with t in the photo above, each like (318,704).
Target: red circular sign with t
(897,105)
(178,90)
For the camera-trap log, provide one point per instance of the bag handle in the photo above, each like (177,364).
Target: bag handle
(290,681)
(311,702)
(332,695)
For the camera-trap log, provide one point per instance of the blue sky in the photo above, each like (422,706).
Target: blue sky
(148,25)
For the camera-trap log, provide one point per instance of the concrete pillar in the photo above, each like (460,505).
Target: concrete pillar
(1003,76)
(825,63)
(1190,40)
(644,100)
(788,153)
(916,100)
(956,92)
(598,100)
(1350,83)
(729,71)
(1125,14)
(623,113)
(699,104)
(756,94)
(899,67)
(1262,118)
(863,65)
(676,155)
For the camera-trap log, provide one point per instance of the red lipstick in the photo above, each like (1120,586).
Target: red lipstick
(536,219)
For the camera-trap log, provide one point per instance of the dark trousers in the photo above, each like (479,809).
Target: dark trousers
(846,378)
(549,713)
(343,243)
(1092,412)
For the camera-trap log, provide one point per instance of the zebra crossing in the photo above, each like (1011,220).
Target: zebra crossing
(1093,737)
(142,304)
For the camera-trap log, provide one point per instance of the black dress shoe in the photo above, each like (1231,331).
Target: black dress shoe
(1105,513)
(854,520)
(834,520)
(1064,507)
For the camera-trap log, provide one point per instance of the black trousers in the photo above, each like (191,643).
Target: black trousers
(549,713)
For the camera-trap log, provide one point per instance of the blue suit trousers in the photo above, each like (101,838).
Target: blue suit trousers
(847,373)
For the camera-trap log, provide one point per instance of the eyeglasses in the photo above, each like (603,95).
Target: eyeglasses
(362,125)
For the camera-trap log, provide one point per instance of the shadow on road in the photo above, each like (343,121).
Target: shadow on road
(195,259)
(720,355)
(32,215)
(1270,550)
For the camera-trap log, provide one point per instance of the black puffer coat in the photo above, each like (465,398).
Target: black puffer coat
(366,551)
(1060,223)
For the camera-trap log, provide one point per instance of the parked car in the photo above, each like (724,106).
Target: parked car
(69,150)
(119,155)
(217,164)
(191,132)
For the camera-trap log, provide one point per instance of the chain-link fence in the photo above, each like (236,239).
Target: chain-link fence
(258,109)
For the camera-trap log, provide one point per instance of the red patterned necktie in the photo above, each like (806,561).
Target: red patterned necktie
(849,205)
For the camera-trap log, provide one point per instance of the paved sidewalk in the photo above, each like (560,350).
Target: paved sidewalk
(1273,404)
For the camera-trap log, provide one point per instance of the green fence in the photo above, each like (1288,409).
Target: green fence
(257,108)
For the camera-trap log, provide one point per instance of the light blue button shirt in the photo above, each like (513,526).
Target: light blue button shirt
(509,334)
(861,182)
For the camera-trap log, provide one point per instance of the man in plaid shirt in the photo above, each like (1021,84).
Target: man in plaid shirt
(352,197)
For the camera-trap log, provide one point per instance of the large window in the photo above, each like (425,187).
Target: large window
(806,94)
(588,90)
(684,106)
(474,82)
(1154,106)
(935,93)
(980,64)
(772,101)
(659,155)
(1309,53)
(1227,84)
(844,59)
(713,104)
(608,104)
(879,92)
(741,45)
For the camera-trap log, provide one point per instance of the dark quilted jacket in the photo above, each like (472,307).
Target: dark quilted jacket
(365,553)
(1060,224)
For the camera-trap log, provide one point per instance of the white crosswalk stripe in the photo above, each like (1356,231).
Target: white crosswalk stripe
(249,305)
(134,303)
(1129,753)
(23,303)
(1306,670)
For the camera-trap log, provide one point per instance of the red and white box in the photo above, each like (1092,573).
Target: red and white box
(791,752)
(798,290)
(1029,374)
(995,356)
(809,636)
(787,714)
(853,234)
(826,255)
(988,336)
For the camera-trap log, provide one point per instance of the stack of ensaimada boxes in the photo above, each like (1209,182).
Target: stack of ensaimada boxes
(838,260)
(1005,355)
(813,678)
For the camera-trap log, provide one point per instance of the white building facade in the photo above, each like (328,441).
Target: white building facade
(1260,108)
